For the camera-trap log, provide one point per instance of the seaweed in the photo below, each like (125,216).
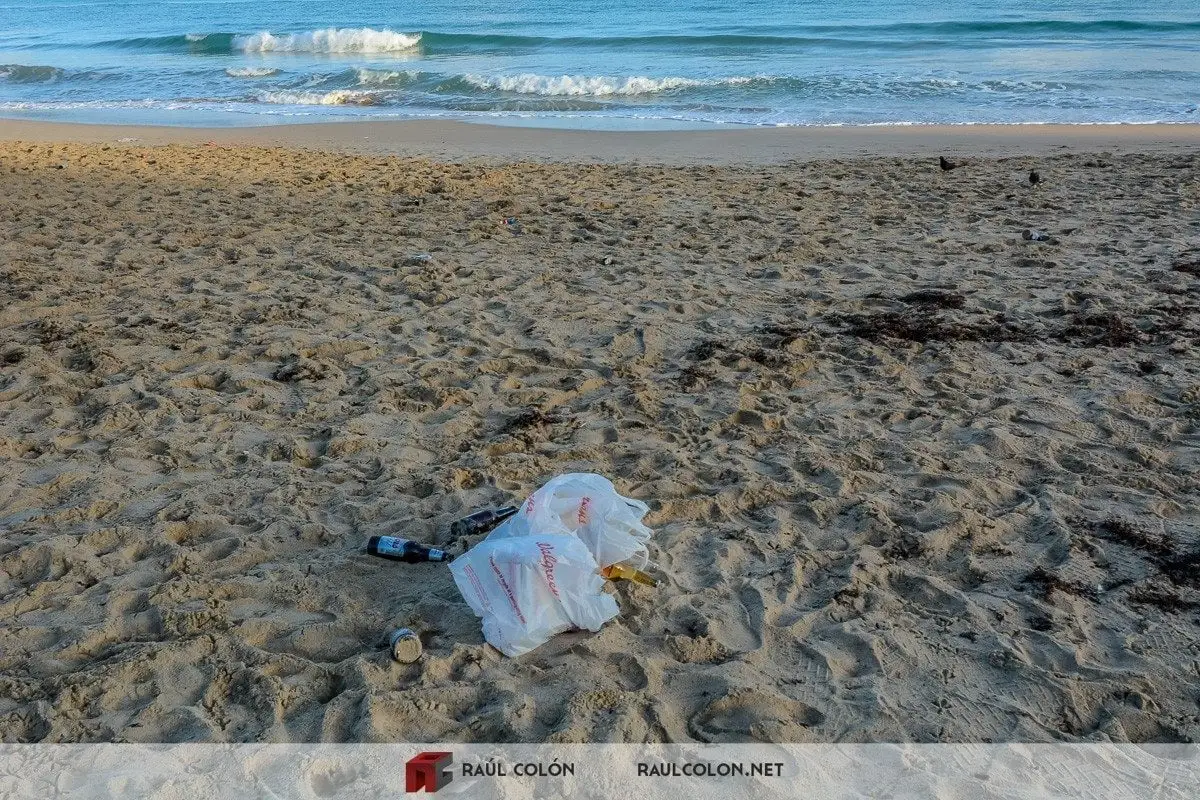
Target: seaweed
(1107,329)
(1118,529)
(921,325)
(935,298)
(1182,570)
(1047,583)
(776,336)
(1161,597)
(704,349)
(1188,262)
(529,418)
(690,376)
(922,322)
(1179,569)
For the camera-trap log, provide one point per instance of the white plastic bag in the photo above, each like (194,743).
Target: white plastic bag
(586,506)
(529,588)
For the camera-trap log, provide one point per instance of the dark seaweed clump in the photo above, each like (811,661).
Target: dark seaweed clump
(1176,571)
(919,324)
(1121,530)
(934,298)
(529,418)
(920,319)
(1188,262)
(1108,329)
(1047,583)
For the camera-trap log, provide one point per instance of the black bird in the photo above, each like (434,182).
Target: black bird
(946,164)
(1034,177)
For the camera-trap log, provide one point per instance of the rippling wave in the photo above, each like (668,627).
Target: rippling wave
(20,73)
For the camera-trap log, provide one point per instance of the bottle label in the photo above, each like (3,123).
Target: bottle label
(437,555)
(391,546)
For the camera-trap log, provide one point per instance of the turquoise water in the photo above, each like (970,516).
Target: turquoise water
(613,64)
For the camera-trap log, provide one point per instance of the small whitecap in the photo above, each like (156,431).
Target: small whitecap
(591,85)
(251,72)
(339,97)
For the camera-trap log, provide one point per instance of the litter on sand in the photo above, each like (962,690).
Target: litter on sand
(542,570)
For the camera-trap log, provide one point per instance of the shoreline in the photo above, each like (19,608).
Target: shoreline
(455,140)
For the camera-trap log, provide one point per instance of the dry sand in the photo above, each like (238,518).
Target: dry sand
(912,476)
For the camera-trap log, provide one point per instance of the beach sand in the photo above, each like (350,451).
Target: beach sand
(912,476)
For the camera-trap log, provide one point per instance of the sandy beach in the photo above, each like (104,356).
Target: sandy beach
(730,145)
(913,475)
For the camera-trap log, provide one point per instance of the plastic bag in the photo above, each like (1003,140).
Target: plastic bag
(588,507)
(529,588)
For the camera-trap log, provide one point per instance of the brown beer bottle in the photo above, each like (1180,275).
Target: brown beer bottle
(394,548)
(481,521)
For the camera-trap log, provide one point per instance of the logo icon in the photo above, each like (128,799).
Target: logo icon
(428,771)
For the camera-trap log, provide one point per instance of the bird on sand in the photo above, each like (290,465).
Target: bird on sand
(1034,177)
(946,164)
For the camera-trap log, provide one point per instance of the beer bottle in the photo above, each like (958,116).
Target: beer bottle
(481,521)
(624,572)
(396,549)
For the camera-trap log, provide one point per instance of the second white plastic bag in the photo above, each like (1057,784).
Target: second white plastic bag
(529,588)
(588,507)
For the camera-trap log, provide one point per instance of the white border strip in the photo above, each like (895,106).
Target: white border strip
(644,772)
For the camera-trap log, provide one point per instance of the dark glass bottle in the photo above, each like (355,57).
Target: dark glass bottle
(394,548)
(481,521)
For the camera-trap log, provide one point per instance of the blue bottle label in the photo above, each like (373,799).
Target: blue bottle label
(391,545)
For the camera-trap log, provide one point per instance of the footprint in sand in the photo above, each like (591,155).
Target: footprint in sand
(750,715)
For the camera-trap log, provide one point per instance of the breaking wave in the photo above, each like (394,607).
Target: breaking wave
(329,40)
(338,97)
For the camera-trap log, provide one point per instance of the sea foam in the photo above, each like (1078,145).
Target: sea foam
(329,40)
(383,77)
(251,72)
(592,86)
(338,97)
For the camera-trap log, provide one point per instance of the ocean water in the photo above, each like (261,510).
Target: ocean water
(602,63)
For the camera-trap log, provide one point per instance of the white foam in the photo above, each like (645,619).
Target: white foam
(195,37)
(338,97)
(382,77)
(66,105)
(329,40)
(593,86)
(250,72)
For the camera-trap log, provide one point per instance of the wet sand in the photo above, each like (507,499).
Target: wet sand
(730,146)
